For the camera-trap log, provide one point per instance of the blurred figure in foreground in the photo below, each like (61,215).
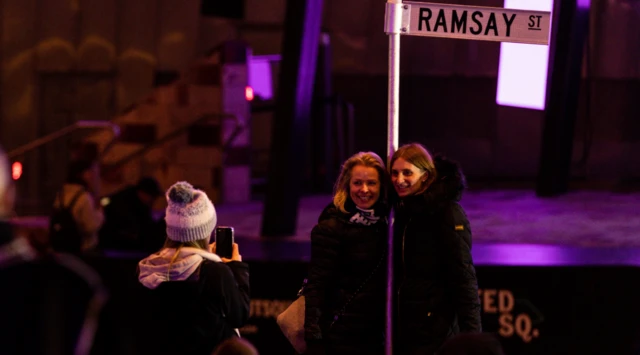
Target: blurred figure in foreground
(236,346)
(49,304)
(472,344)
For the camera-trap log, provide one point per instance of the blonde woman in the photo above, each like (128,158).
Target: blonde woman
(201,299)
(345,292)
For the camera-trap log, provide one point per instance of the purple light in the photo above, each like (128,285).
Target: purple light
(584,4)
(522,74)
(260,75)
(520,255)
(527,255)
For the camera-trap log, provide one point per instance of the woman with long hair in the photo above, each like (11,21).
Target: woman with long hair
(345,293)
(434,276)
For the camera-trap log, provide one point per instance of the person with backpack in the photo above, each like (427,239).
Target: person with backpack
(77,214)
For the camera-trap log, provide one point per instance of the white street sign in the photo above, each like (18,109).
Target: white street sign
(475,23)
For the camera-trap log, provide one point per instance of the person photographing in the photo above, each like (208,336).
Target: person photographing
(203,298)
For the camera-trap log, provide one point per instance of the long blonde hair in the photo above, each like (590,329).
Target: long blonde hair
(200,244)
(367,159)
(172,244)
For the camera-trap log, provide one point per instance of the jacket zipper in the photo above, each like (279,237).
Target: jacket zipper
(404,273)
(404,232)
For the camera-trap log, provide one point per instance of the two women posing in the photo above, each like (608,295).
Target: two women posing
(434,278)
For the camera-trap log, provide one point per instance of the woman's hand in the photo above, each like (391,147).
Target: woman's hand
(235,253)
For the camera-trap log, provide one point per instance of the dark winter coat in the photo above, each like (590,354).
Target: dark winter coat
(437,289)
(343,255)
(129,224)
(196,315)
(48,304)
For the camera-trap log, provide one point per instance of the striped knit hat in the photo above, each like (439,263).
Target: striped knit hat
(190,215)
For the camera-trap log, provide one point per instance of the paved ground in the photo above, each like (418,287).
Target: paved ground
(510,227)
(586,219)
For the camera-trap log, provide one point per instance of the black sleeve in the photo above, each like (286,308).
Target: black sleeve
(324,255)
(234,285)
(461,274)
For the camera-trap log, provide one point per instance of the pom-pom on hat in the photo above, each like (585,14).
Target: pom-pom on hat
(190,215)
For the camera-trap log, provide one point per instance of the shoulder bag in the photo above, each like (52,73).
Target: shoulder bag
(291,321)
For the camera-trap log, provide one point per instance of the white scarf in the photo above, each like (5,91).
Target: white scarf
(365,217)
(157,268)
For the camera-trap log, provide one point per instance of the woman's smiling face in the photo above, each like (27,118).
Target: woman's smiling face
(407,178)
(364,186)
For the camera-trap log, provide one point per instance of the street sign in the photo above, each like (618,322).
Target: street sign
(475,23)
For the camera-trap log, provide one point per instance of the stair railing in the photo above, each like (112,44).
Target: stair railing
(239,127)
(36,143)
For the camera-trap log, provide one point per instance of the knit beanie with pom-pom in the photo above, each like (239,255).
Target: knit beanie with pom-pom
(190,214)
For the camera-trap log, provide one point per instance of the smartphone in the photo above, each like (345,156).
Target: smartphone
(224,241)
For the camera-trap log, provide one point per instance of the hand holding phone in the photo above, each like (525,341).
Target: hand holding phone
(235,255)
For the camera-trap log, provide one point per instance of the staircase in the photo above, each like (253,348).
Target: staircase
(194,129)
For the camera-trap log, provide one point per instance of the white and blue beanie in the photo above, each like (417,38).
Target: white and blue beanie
(190,215)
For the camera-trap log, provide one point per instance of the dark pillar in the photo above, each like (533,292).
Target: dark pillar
(323,164)
(287,159)
(569,32)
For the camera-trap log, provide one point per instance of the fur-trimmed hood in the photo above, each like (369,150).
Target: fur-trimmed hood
(450,181)
(449,184)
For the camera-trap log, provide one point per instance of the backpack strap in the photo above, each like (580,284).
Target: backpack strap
(75,198)
(344,308)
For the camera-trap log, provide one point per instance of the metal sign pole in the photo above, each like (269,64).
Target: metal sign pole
(393,22)
(393,27)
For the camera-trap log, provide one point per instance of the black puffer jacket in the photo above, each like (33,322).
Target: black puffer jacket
(437,289)
(343,255)
(196,315)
